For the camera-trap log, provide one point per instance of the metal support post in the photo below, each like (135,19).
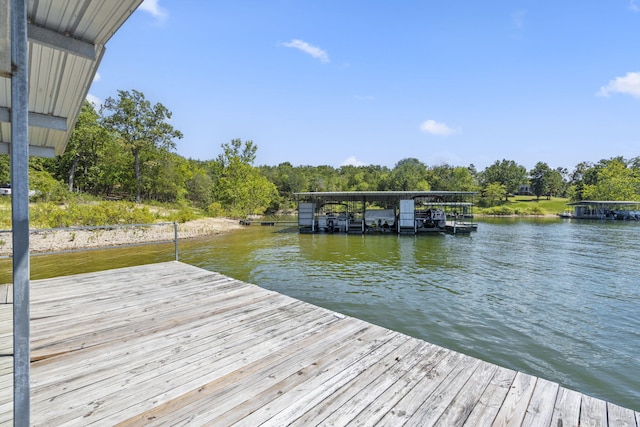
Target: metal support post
(20,211)
(175,237)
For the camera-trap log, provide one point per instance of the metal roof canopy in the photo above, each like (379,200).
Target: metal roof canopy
(55,48)
(385,196)
(604,202)
(66,41)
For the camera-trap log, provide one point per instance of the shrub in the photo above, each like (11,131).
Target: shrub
(184,214)
(499,210)
(46,187)
(215,209)
(49,215)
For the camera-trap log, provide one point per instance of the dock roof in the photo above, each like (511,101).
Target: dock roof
(66,42)
(605,202)
(380,196)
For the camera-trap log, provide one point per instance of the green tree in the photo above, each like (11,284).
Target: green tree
(615,181)
(114,177)
(583,174)
(139,126)
(199,185)
(323,178)
(409,175)
(540,178)
(557,182)
(238,186)
(287,178)
(78,165)
(166,176)
(451,178)
(494,192)
(507,173)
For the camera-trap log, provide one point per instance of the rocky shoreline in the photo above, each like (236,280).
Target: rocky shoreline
(56,240)
(62,239)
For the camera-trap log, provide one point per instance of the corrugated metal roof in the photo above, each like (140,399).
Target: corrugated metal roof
(378,196)
(66,44)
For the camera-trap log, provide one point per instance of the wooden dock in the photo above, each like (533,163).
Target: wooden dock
(172,344)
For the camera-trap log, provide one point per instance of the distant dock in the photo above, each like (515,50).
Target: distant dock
(396,212)
(455,227)
(169,343)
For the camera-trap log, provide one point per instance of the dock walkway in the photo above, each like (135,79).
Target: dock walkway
(172,344)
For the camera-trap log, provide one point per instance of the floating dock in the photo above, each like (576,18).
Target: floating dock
(172,344)
(398,212)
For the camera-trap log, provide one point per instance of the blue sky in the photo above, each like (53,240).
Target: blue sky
(335,82)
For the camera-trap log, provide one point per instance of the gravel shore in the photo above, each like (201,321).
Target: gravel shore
(61,240)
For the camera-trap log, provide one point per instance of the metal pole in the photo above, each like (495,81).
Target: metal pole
(175,237)
(20,211)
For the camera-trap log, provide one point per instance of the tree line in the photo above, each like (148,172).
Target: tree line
(126,150)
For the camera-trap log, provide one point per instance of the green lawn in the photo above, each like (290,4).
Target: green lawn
(527,205)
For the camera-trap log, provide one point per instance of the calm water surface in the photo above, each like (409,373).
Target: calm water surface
(556,299)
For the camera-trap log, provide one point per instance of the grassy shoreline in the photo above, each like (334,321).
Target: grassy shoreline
(525,206)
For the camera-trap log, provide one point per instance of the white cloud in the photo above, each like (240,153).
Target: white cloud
(518,24)
(517,19)
(352,161)
(97,102)
(305,47)
(436,128)
(97,77)
(633,5)
(629,84)
(152,7)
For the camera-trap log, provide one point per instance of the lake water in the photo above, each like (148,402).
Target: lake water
(556,299)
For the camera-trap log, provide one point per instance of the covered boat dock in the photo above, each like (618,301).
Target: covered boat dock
(605,210)
(401,212)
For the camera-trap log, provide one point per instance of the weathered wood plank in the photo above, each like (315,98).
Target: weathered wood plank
(358,394)
(385,402)
(619,416)
(160,331)
(424,389)
(593,412)
(151,381)
(514,407)
(542,404)
(487,408)
(101,301)
(434,407)
(220,393)
(179,345)
(97,303)
(6,293)
(6,390)
(125,326)
(263,382)
(566,411)
(321,384)
(466,400)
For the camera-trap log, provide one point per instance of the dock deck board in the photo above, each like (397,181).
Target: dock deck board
(170,343)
